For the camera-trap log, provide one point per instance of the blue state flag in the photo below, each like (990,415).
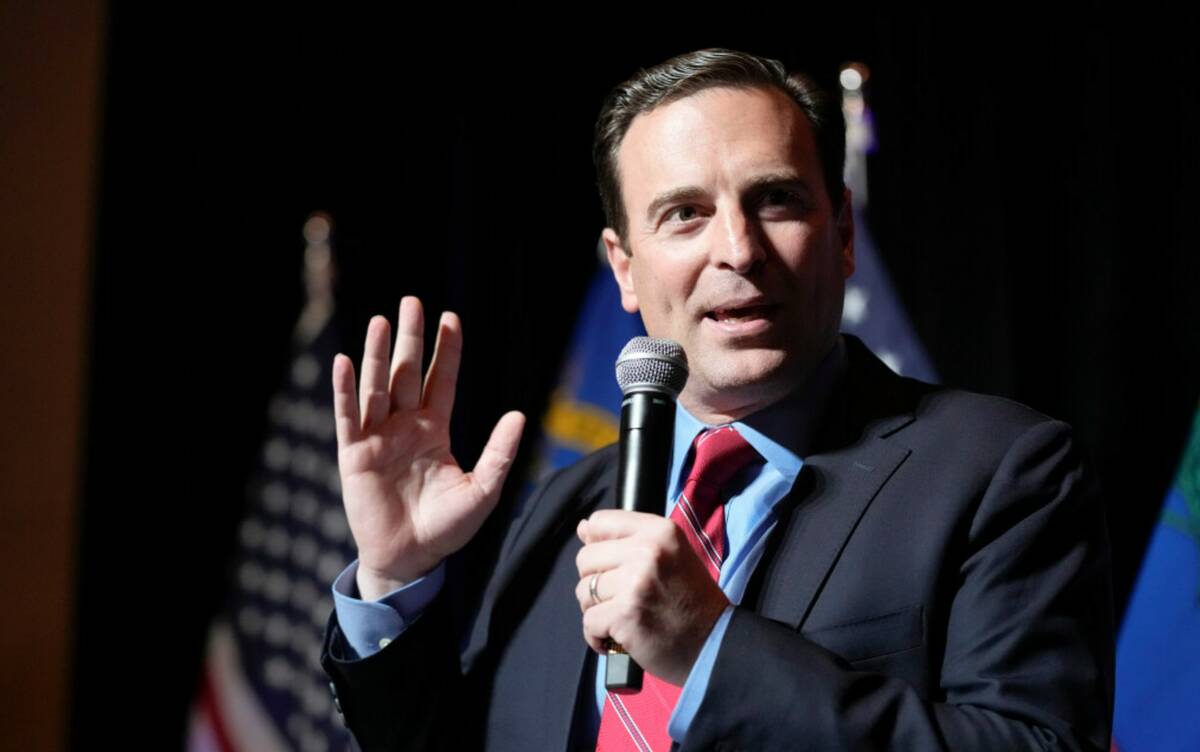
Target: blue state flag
(1158,652)
(585,410)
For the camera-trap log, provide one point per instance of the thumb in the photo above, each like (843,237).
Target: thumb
(497,457)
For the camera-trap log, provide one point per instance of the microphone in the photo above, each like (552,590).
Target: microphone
(651,372)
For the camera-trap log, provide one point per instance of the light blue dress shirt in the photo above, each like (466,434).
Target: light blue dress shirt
(781,435)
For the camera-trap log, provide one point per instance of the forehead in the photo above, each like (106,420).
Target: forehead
(717,136)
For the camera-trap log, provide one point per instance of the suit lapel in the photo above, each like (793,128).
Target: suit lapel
(549,521)
(832,494)
(544,521)
(850,463)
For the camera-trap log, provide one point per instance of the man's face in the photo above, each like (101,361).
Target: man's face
(735,251)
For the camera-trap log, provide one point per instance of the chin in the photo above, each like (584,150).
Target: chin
(752,367)
(746,383)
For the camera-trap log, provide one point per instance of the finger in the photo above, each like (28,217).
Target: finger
(583,591)
(598,623)
(609,584)
(497,457)
(373,398)
(602,556)
(609,524)
(583,595)
(406,357)
(345,402)
(442,378)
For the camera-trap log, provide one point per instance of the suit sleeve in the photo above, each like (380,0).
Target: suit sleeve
(1028,658)
(413,694)
(393,699)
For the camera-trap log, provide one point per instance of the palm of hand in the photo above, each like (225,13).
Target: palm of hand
(408,502)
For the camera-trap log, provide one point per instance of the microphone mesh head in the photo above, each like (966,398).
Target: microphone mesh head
(651,364)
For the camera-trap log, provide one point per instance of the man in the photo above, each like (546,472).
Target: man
(892,565)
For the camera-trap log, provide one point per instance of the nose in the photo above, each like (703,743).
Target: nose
(740,247)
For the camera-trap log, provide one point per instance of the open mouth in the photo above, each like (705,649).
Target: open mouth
(741,315)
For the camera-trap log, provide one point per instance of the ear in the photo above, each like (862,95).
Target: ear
(619,260)
(845,228)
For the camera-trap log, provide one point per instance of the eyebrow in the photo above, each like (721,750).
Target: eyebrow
(757,184)
(687,193)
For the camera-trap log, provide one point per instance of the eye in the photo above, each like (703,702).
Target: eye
(782,203)
(779,197)
(684,213)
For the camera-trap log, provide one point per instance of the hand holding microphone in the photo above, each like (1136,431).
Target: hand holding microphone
(645,596)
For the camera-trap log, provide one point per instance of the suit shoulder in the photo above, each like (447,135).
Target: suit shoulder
(974,409)
(579,484)
(586,477)
(973,425)
(894,404)
(1009,459)
(582,473)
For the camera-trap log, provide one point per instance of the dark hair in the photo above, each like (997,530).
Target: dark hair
(693,72)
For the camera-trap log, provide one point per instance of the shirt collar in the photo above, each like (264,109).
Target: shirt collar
(781,433)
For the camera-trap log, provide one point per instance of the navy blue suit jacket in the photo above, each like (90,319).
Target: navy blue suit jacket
(939,579)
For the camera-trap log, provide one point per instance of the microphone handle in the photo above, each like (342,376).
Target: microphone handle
(647,431)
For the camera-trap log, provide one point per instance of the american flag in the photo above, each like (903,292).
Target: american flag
(872,310)
(263,688)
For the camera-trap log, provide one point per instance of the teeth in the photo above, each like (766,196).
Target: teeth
(738,315)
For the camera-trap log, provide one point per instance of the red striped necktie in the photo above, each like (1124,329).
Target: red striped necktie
(638,722)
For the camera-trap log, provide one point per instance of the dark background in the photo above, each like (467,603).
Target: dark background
(1032,196)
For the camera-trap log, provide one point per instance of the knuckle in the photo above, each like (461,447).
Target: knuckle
(601,515)
(592,624)
(644,554)
(653,556)
(640,581)
(643,588)
(666,533)
(595,643)
(624,627)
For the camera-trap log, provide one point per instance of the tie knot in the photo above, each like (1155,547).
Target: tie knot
(720,453)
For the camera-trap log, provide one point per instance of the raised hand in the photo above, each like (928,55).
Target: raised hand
(408,502)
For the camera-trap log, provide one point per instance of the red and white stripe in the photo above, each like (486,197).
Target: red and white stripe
(706,544)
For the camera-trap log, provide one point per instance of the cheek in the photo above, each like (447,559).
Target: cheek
(662,289)
(650,302)
(811,260)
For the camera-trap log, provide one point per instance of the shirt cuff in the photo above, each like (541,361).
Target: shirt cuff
(697,681)
(370,625)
